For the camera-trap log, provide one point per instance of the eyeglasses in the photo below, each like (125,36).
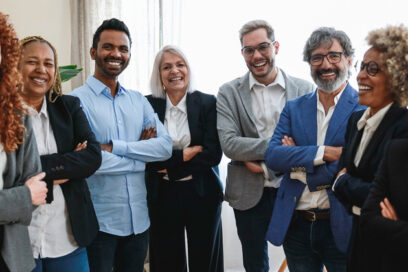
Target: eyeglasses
(332,57)
(371,67)
(262,48)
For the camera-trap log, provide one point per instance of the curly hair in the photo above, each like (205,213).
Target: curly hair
(392,43)
(56,88)
(11,108)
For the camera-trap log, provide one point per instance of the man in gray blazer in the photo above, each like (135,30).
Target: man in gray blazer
(248,110)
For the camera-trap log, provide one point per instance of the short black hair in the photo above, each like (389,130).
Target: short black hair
(110,24)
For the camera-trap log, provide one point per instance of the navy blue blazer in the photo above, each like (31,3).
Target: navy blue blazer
(70,127)
(299,121)
(202,118)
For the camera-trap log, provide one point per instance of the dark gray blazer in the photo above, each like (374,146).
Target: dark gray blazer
(240,140)
(16,205)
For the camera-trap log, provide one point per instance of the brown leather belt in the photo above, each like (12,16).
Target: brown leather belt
(314,215)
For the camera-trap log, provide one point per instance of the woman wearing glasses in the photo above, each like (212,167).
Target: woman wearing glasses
(383,88)
(184,192)
(384,216)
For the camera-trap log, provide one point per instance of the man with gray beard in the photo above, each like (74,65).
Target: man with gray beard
(307,219)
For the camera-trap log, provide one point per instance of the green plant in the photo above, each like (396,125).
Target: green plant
(69,71)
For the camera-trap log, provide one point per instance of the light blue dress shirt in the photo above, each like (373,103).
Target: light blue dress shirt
(118,188)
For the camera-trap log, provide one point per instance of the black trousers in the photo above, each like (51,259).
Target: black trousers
(179,208)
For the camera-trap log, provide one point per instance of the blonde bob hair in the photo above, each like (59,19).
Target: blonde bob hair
(392,43)
(156,85)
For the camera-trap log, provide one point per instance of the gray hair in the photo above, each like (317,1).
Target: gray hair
(156,84)
(254,25)
(326,35)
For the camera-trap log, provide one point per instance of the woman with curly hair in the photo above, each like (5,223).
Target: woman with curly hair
(69,153)
(19,161)
(383,88)
(384,218)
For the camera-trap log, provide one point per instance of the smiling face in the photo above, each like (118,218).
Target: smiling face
(261,65)
(111,55)
(373,90)
(174,73)
(329,77)
(37,67)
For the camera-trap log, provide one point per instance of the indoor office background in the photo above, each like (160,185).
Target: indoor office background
(207,31)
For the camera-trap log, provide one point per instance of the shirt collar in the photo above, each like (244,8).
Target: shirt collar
(279,80)
(98,87)
(373,121)
(182,105)
(43,110)
(336,98)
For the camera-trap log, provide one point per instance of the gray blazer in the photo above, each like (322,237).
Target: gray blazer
(240,140)
(15,203)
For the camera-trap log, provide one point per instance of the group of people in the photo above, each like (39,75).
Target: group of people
(89,181)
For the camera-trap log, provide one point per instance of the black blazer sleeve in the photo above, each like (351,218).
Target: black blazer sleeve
(391,182)
(70,127)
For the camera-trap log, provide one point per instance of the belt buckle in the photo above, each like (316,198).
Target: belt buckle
(314,218)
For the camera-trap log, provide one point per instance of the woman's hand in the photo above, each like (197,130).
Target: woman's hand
(38,189)
(81,146)
(387,210)
(191,151)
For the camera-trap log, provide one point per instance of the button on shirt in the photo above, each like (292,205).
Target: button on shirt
(176,123)
(50,228)
(118,188)
(318,199)
(267,104)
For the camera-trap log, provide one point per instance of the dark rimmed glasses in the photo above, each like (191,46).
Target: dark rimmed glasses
(371,67)
(332,57)
(262,48)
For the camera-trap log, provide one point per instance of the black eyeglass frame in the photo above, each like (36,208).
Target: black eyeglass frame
(327,56)
(243,49)
(373,71)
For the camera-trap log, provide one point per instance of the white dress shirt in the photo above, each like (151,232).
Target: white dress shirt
(267,105)
(318,199)
(3,162)
(50,228)
(176,124)
(370,125)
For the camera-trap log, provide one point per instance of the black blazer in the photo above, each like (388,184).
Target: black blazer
(389,238)
(352,188)
(70,127)
(202,121)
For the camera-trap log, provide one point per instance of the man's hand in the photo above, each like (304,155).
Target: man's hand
(148,132)
(343,171)
(163,171)
(387,210)
(107,147)
(332,153)
(191,151)
(38,189)
(253,166)
(80,146)
(288,141)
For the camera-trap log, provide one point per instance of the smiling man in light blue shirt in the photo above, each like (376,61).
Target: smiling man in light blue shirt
(130,135)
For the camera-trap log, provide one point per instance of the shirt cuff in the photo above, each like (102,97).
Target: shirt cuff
(335,181)
(265,170)
(301,176)
(318,160)
(119,147)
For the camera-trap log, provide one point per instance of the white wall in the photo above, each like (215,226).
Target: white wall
(47,18)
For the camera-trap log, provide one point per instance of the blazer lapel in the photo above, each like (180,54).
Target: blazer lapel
(193,116)
(160,108)
(308,112)
(389,119)
(344,107)
(246,100)
(60,120)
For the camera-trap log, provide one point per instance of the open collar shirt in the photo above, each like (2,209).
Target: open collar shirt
(118,188)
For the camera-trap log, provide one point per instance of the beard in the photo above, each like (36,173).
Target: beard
(101,63)
(330,86)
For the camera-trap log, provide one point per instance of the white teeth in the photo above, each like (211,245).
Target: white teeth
(363,87)
(114,63)
(327,74)
(260,64)
(39,80)
(175,79)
